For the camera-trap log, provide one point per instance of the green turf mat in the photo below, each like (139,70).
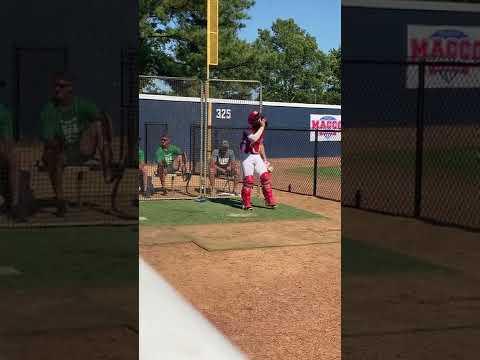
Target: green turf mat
(185,212)
(360,258)
(103,256)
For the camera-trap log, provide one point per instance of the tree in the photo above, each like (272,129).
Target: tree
(173,37)
(333,94)
(292,68)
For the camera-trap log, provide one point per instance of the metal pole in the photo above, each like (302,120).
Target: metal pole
(315,163)
(146,142)
(207,127)
(419,139)
(202,125)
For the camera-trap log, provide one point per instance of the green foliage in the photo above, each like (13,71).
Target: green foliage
(173,37)
(292,68)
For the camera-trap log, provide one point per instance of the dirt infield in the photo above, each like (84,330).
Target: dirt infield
(40,324)
(274,303)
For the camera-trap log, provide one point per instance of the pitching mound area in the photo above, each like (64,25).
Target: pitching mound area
(222,225)
(271,299)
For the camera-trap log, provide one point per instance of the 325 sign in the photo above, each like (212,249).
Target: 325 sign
(224,114)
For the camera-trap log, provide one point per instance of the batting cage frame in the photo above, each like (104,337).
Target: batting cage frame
(305,161)
(192,182)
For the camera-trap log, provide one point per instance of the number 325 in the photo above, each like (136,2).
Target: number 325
(224,114)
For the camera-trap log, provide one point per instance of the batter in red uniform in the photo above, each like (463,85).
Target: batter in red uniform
(252,163)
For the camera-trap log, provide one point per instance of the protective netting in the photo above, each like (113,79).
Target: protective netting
(411,140)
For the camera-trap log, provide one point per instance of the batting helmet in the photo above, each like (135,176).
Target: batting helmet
(253,117)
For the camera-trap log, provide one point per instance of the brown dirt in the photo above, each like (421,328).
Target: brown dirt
(274,303)
(49,323)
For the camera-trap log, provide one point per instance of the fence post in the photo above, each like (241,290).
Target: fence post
(192,149)
(315,163)
(419,139)
(146,142)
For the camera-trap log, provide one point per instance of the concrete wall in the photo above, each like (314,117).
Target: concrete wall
(376,94)
(177,118)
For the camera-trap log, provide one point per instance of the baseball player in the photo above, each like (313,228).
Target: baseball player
(252,149)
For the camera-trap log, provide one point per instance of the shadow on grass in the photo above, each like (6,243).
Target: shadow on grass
(234,203)
(237,203)
(359,258)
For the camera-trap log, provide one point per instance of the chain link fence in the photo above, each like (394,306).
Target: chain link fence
(411,144)
(303,160)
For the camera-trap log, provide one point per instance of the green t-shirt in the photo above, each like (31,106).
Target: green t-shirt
(6,123)
(141,156)
(69,123)
(167,155)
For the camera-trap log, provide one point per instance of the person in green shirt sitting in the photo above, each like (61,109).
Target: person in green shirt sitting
(73,129)
(8,162)
(170,159)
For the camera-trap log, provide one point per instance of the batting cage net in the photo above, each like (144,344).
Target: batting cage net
(86,176)
(169,156)
(411,145)
(205,121)
(303,161)
(228,102)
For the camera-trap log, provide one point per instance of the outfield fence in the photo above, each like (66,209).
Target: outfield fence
(411,143)
(302,162)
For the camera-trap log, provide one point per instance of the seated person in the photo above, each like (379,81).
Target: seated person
(170,159)
(8,163)
(223,163)
(73,129)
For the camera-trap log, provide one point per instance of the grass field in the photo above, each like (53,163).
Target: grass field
(215,211)
(359,258)
(464,161)
(57,257)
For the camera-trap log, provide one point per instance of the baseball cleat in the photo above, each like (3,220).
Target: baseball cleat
(271,206)
(248,208)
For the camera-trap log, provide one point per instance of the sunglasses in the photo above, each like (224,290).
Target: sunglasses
(62,85)
(163,140)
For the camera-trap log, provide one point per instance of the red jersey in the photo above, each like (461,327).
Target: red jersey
(248,146)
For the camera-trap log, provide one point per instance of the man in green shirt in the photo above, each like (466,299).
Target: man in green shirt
(73,129)
(170,158)
(8,162)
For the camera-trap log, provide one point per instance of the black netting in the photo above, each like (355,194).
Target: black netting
(411,139)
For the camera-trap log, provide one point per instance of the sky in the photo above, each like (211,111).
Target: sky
(320,18)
